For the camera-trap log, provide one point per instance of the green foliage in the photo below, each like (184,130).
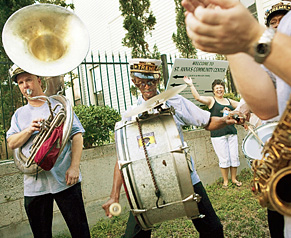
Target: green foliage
(7,8)
(180,38)
(11,98)
(110,228)
(61,3)
(204,107)
(238,209)
(229,81)
(98,122)
(231,96)
(139,21)
(156,54)
(220,57)
(133,90)
(2,134)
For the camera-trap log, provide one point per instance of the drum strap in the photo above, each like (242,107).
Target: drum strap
(157,191)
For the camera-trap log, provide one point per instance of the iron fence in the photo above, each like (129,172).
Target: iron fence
(101,80)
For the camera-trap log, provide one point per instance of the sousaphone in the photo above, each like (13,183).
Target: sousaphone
(48,41)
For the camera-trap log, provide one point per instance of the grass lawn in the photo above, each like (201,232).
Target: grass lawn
(237,208)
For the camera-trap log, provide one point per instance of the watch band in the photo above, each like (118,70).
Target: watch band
(263,46)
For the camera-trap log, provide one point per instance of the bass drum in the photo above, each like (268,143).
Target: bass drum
(170,170)
(251,148)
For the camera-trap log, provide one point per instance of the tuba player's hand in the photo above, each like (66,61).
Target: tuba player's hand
(72,175)
(35,125)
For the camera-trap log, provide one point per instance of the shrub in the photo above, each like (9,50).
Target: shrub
(98,122)
(231,96)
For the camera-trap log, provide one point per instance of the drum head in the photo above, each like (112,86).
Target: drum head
(251,147)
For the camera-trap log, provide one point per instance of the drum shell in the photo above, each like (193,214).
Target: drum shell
(170,169)
(251,148)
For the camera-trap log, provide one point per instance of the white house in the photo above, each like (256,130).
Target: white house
(105,25)
(104,22)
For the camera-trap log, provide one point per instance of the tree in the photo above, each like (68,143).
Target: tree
(139,21)
(229,80)
(182,41)
(185,47)
(61,3)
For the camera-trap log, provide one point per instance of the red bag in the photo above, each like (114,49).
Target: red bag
(48,152)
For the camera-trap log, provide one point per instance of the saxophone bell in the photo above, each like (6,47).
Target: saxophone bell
(280,193)
(272,174)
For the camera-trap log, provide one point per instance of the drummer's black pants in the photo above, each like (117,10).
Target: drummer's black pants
(208,227)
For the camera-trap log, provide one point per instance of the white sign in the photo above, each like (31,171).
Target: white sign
(202,72)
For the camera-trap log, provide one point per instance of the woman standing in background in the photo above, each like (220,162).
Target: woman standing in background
(224,141)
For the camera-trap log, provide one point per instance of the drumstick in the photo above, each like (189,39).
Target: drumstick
(115,209)
(254,133)
(249,124)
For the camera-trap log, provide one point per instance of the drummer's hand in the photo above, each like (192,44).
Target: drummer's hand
(245,110)
(188,81)
(106,206)
(237,116)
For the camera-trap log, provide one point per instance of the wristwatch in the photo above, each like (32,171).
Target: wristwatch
(263,46)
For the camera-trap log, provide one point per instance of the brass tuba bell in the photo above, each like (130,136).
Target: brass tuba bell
(45,39)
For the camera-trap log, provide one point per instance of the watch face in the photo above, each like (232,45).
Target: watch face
(263,48)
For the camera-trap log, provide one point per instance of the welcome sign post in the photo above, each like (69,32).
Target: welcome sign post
(202,72)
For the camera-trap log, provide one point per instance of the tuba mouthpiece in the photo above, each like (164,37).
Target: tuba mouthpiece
(29,92)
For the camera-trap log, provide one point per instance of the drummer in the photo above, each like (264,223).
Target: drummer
(145,75)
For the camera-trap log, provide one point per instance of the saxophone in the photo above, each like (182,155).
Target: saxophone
(272,174)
